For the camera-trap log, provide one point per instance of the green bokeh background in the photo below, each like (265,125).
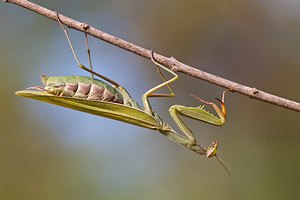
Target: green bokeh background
(48,152)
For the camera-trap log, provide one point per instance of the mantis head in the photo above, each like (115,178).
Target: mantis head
(212,151)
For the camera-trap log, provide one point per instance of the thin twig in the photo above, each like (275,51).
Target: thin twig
(169,62)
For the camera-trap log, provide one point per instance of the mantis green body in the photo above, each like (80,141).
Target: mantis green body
(96,97)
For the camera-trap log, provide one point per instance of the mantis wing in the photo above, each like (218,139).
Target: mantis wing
(110,110)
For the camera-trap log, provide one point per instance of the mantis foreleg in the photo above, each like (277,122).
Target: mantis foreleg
(198,113)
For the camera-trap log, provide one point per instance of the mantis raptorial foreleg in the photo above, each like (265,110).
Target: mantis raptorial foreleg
(99,98)
(198,113)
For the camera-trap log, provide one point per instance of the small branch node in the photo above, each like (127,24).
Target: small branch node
(174,68)
(85,26)
(254,91)
(172,58)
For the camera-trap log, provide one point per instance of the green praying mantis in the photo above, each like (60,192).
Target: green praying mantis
(96,97)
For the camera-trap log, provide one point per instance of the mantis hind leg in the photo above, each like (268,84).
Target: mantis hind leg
(150,92)
(127,98)
(88,50)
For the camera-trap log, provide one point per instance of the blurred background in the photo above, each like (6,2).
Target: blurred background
(50,152)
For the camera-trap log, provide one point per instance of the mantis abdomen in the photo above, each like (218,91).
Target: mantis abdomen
(81,87)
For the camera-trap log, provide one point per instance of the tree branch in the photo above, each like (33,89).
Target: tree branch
(169,62)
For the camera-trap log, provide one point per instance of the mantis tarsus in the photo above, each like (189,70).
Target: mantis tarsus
(96,97)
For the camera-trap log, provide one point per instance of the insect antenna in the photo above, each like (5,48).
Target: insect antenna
(221,161)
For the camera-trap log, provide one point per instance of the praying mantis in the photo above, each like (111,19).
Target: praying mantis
(96,97)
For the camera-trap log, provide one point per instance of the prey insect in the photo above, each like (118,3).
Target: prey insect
(99,98)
